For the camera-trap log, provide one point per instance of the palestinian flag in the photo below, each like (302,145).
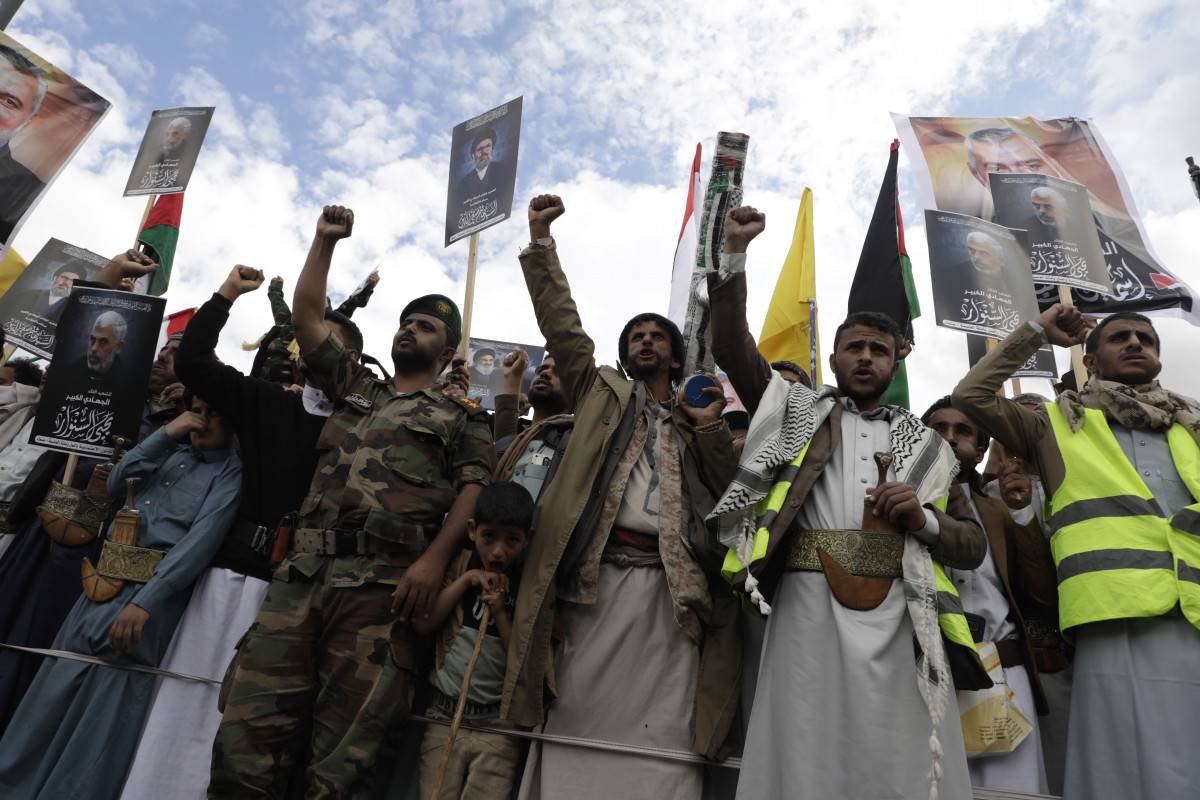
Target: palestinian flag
(159,236)
(883,281)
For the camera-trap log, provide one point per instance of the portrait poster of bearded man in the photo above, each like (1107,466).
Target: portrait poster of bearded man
(169,150)
(31,309)
(952,158)
(483,170)
(96,384)
(485,364)
(44,117)
(980,275)
(1064,247)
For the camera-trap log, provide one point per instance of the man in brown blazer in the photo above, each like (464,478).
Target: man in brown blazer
(1016,574)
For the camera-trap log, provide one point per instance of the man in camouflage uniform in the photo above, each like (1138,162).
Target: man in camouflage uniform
(329,663)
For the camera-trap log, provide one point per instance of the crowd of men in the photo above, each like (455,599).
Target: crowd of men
(288,563)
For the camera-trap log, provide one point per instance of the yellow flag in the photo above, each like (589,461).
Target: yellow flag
(10,269)
(790,329)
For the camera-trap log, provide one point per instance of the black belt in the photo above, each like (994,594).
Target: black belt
(256,537)
(471,710)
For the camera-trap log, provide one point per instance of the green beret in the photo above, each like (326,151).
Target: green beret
(737,419)
(440,306)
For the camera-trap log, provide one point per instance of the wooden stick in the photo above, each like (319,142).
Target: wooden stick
(462,695)
(69,472)
(1081,375)
(145,215)
(469,300)
(9,349)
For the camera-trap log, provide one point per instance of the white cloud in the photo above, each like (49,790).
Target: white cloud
(615,99)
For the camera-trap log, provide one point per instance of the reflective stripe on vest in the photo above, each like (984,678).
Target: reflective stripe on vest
(1117,554)
(765,513)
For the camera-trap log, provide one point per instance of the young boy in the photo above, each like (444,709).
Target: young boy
(482,765)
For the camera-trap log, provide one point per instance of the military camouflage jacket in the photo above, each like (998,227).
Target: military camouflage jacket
(390,464)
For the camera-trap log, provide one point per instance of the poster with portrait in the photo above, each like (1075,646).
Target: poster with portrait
(45,118)
(953,156)
(483,170)
(1040,365)
(96,384)
(980,272)
(1064,248)
(31,308)
(485,363)
(169,150)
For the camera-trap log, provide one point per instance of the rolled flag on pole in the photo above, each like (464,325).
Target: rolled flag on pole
(883,281)
(10,269)
(173,324)
(790,329)
(159,235)
(685,250)
(723,194)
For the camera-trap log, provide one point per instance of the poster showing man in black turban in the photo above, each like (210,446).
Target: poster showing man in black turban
(1064,247)
(483,170)
(980,272)
(485,363)
(31,308)
(169,149)
(96,384)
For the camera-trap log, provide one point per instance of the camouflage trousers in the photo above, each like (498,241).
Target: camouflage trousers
(320,674)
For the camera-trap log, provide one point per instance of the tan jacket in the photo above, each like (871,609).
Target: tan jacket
(567,513)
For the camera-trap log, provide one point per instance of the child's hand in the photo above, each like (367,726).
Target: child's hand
(488,581)
(495,600)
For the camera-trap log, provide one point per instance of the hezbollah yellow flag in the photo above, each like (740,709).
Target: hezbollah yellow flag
(790,329)
(10,269)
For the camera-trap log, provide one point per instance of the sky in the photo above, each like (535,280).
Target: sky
(352,102)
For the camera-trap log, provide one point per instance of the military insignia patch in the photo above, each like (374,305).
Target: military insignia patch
(443,306)
(359,400)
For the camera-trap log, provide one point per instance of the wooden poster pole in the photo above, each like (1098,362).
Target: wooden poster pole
(1081,375)
(469,300)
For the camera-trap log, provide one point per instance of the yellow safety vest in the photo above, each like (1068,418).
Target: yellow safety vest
(949,605)
(1117,554)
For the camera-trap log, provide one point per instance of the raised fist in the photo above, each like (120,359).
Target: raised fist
(335,222)
(544,209)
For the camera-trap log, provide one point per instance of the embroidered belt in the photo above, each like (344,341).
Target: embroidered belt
(863,553)
(126,562)
(343,543)
(77,505)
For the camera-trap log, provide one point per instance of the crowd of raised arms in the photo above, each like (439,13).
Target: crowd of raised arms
(329,584)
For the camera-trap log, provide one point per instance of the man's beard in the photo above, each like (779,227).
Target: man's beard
(484,370)
(59,291)
(857,396)
(97,363)
(406,362)
(641,372)
(544,398)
